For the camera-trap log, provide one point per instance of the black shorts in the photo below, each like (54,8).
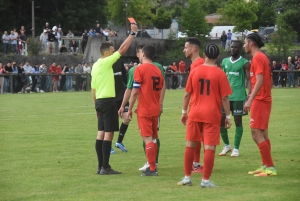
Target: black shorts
(236,108)
(119,103)
(108,120)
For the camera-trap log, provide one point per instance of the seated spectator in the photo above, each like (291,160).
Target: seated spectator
(74,47)
(92,32)
(70,34)
(34,77)
(98,30)
(63,49)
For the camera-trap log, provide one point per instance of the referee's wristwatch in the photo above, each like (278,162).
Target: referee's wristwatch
(132,33)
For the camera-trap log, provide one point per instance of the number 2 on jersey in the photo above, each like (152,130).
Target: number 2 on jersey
(202,83)
(156,81)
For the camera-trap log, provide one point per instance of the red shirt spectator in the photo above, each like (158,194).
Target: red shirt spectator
(182,67)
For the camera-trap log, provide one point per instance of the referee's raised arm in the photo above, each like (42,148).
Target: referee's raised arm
(126,44)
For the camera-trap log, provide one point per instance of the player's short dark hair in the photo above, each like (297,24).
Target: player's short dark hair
(105,46)
(139,47)
(240,44)
(149,51)
(193,41)
(212,51)
(254,37)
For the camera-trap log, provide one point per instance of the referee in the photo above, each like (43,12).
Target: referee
(103,95)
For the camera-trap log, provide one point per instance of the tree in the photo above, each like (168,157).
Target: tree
(283,37)
(266,14)
(241,14)
(139,9)
(162,20)
(211,6)
(193,20)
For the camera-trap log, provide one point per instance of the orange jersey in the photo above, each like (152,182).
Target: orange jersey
(182,66)
(207,85)
(197,62)
(149,80)
(260,65)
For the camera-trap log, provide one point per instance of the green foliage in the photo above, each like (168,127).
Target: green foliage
(162,19)
(34,47)
(282,39)
(266,14)
(241,14)
(290,10)
(74,15)
(172,35)
(211,6)
(193,20)
(140,10)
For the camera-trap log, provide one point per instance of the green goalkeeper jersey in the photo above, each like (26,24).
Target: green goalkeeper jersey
(236,76)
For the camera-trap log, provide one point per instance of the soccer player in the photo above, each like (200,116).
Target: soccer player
(259,103)
(103,96)
(191,50)
(208,89)
(236,68)
(148,82)
(128,93)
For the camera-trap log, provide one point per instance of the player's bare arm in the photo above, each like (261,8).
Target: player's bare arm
(133,97)
(256,88)
(126,44)
(125,100)
(94,98)
(162,96)
(226,107)
(247,73)
(185,103)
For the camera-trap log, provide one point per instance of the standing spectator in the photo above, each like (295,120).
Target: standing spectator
(291,75)
(85,37)
(207,90)
(74,47)
(228,41)
(70,34)
(21,77)
(174,76)
(34,77)
(181,72)
(2,71)
(19,44)
(8,70)
(69,84)
(44,39)
(98,30)
(15,78)
(23,40)
(60,32)
(55,70)
(13,42)
(27,70)
(283,74)
(223,39)
(51,42)
(56,41)
(169,77)
(44,78)
(297,67)
(47,27)
(86,70)
(78,82)
(275,75)
(63,77)
(6,41)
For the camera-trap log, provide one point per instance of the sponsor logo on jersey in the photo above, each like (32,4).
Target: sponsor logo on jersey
(234,73)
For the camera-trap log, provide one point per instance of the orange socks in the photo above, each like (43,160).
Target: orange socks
(151,155)
(188,160)
(209,159)
(265,153)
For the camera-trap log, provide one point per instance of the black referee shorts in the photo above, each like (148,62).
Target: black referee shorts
(108,120)
(119,103)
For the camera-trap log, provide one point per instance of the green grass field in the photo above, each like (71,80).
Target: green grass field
(47,153)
